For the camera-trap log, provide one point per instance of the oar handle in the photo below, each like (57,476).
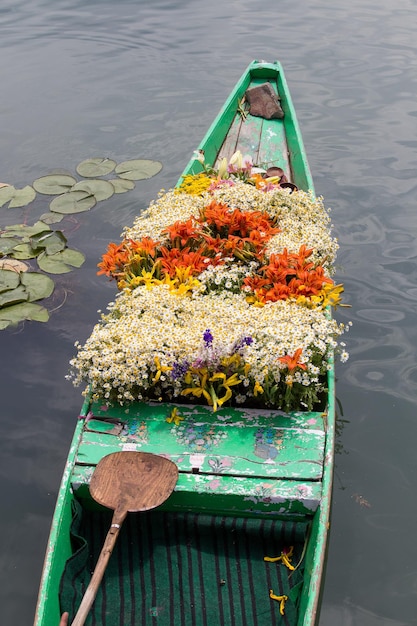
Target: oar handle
(99,570)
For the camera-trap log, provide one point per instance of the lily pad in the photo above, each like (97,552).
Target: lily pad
(38,286)
(73,202)
(61,262)
(138,169)
(12,315)
(13,265)
(51,241)
(54,184)
(122,185)
(100,189)
(16,197)
(8,280)
(23,251)
(52,218)
(22,197)
(6,194)
(25,231)
(13,296)
(7,244)
(90,168)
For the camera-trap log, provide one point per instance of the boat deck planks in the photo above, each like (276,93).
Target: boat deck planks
(244,458)
(264,140)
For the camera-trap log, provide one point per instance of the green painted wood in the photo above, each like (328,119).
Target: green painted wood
(59,548)
(223,494)
(304,420)
(244,444)
(291,155)
(317,546)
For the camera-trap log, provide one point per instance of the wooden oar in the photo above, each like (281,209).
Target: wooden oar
(127,482)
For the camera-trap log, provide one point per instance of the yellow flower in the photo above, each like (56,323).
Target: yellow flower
(285,558)
(254,300)
(330,295)
(145,278)
(182,283)
(194,184)
(227,383)
(257,389)
(159,369)
(281,599)
(200,388)
(175,417)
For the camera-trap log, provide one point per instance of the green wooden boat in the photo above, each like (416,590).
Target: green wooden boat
(242,494)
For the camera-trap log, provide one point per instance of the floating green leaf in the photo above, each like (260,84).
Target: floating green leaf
(51,241)
(90,168)
(54,184)
(7,244)
(25,231)
(24,251)
(22,197)
(8,280)
(6,194)
(61,262)
(12,315)
(100,189)
(38,286)
(73,202)
(52,218)
(13,296)
(138,169)
(16,197)
(122,185)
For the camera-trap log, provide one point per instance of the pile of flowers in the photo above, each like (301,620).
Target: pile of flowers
(225,287)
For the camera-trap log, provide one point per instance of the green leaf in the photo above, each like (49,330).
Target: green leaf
(7,244)
(13,296)
(6,194)
(121,186)
(25,231)
(90,168)
(52,218)
(100,189)
(138,169)
(8,280)
(52,241)
(12,315)
(54,184)
(73,257)
(61,262)
(73,202)
(38,286)
(23,251)
(22,197)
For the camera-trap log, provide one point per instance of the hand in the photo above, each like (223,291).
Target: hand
(64,619)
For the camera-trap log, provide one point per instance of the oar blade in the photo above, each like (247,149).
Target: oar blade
(135,481)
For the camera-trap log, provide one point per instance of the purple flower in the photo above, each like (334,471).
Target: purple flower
(179,369)
(242,342)
(208,337)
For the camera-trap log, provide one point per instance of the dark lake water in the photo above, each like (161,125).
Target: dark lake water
(140,79)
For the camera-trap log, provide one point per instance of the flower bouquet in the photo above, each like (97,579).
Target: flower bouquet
(225,288)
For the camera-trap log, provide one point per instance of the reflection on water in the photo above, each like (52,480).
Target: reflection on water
(135,79)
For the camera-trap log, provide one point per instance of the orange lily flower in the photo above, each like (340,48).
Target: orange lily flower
(292,362)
